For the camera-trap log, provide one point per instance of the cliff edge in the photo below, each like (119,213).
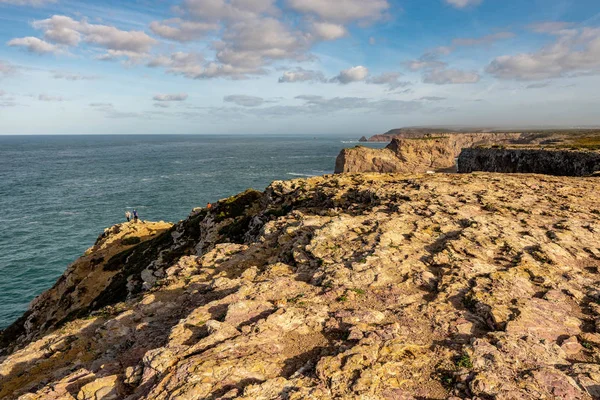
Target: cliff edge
(369,286)
(538,161)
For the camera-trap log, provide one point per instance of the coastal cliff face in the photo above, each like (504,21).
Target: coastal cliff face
(400,156)
(414,155)
(539,161)
(82,282)
(349,286)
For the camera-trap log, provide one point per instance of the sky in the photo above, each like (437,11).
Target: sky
(355,67)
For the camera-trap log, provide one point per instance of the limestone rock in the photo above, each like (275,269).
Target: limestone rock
(362,286)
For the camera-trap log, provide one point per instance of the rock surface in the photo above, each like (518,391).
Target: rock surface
(538,161)
(365,286)
(414,155)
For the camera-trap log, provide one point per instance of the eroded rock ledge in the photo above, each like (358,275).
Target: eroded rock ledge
(537,161)
(348,286)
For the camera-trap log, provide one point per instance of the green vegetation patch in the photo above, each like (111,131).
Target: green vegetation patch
(236,206)
(463,361)
(130,241)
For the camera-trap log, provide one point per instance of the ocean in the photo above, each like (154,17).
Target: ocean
(58,193)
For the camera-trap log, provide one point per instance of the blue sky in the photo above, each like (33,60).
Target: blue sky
(296,66)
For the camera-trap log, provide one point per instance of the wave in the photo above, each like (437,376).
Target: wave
(350,141)
(299,174)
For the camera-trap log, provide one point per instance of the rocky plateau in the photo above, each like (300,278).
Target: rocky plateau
(354,286)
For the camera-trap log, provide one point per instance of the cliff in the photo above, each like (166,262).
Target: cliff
(414,155)
(539,161)
(400,156)
(347,286)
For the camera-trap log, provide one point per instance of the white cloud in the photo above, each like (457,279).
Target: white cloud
(354,74)
(244,101)
(342,10)
(463,3)
(171,97)
(35,45)
(328,31)
(302,75)
(574,52)
(45,97)
(34,3)
(450,76)
(65,31)
(252,34)
(418,65)
(214,10)
(60,29)
(181,30)
(391,79)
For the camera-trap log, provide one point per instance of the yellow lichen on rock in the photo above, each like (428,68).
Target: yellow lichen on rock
(347,287)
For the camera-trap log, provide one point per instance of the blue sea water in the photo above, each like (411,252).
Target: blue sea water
(58,193)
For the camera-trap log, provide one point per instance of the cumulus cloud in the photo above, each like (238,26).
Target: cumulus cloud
(354,74)
(342,10)
(463,3)
(35,45)
(34,3)
(214,10)
(302,75)
(574,52)
(194,66)
(60,30)
(251,35)
(421,64)
(328,31)
(181,30)
(391,79)
(45,97)
(244,101)
(171,97)
(450,76)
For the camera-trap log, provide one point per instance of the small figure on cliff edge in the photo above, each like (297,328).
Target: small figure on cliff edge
(135,216)
(128,216)
(208,206)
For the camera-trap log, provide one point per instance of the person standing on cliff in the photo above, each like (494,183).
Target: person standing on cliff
(128,216)
(135,216)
